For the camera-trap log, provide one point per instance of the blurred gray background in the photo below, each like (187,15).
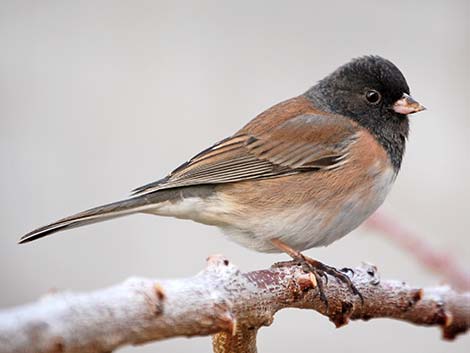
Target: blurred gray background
(99,97)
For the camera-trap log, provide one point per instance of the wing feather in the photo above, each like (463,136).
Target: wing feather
(303,143)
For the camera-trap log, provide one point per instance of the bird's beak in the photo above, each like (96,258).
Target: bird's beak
(407,105)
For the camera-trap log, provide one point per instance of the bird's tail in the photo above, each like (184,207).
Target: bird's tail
(98,214)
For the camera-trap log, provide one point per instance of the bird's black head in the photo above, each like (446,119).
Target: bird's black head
(372,91)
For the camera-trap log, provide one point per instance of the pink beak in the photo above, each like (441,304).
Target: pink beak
(407,105)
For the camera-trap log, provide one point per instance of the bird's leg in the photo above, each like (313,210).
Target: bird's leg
(318,269)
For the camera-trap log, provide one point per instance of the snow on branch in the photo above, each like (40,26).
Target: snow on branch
(219,301)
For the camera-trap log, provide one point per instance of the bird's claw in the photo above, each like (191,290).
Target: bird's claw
(321,270)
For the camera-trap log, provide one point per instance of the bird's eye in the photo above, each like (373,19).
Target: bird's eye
(373,97)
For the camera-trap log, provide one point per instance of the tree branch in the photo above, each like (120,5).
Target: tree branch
(222,301)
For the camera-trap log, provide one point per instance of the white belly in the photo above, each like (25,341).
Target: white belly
(306,227)
(301,227)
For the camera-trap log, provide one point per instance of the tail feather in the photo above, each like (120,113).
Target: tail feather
(93,215)
(143,203)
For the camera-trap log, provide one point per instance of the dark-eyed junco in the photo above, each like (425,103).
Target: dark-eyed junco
(302,174)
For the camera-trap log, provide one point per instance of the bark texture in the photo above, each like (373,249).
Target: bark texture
(219,301)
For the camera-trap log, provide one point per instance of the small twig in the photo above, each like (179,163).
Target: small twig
(222,301)
(438,262)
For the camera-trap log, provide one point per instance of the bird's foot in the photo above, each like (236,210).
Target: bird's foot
(320,270)
(341,275)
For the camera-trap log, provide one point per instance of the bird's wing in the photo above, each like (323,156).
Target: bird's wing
(303,143)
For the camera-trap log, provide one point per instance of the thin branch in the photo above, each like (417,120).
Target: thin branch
(220,300)
(438,262)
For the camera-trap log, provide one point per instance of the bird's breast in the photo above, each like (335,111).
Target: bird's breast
(312,208)
(317,221)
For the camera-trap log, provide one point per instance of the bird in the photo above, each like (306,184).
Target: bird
(302,174)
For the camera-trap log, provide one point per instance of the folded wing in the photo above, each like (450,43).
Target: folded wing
(304,143)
